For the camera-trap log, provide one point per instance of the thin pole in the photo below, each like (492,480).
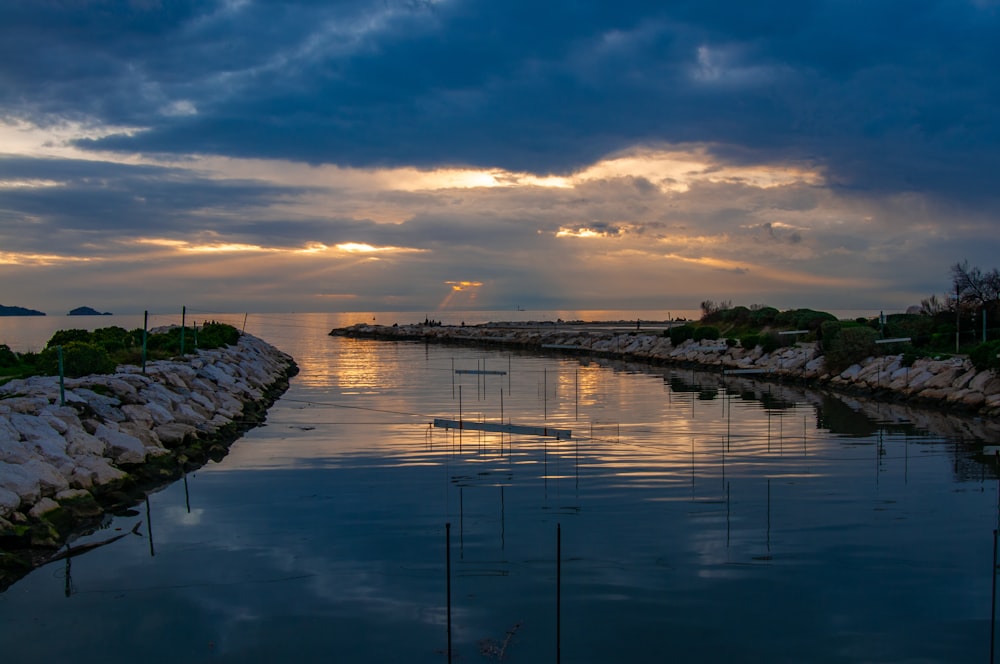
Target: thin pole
(183,323)
(245,314)
(149,523)
(993,608)
(145,334)
(577,380)
(558,592)
(545,393)
(447,557)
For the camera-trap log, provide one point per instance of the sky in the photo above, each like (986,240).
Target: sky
(439,155)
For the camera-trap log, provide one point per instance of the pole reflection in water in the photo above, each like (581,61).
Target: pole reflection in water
(320,533)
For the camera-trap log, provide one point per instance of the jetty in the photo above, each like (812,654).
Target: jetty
(950,382)
(71,454)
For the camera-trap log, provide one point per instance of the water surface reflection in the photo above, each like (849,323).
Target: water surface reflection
(703,519)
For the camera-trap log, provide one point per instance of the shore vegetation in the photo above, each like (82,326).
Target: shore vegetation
(100,351)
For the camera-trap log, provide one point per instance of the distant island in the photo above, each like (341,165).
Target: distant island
(87,311)
(19,311)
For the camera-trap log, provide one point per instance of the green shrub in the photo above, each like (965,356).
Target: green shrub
(706,332)
(750,341)
(216,335)
(803,319)
(679,335)
(851,345)
(763,316)
(79,359)
(8,358)
(112,339)
(63,337)
(984,356)
(829,331)
(770,342)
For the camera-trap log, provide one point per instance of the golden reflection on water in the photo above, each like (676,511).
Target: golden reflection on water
(355,398)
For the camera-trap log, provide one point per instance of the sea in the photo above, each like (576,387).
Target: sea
(636,514)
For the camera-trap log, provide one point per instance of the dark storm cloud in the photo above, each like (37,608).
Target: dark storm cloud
(104,201)
(886,95)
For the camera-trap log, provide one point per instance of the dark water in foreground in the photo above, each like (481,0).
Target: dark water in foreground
(700,522)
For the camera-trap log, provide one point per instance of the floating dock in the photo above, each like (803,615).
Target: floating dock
(499,427)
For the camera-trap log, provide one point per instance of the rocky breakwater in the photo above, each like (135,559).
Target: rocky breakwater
(952,382)
(69,457)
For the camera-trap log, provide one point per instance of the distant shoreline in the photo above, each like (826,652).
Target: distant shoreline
(951,383)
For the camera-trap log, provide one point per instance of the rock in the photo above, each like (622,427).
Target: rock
(50,450)
(9,502)
(15,477)
(138,414)
(107,408)
(145,434)
(173,434)
(50,480)
(943,379)
(40,437)
(97,471)
(123,447)
(42,507)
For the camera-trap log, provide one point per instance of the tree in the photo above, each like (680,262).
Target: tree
(709,307)
(932,306)
(973,286)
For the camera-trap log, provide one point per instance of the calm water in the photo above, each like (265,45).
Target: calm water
(700,522)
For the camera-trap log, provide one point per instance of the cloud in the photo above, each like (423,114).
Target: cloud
(558,152)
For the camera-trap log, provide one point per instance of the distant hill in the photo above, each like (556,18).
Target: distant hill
(19,311)
(87,311)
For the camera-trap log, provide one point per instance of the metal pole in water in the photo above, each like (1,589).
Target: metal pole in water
(558,592)
(149,524)
(545,393)
(993,608)
(447,558)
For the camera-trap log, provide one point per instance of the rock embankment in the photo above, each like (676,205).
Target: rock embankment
(120,434)
(951,382)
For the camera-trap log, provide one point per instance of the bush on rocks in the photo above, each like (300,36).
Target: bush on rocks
(679,335)
(706,332)
(770,342)
(985,356)
(79,359)
(850,345)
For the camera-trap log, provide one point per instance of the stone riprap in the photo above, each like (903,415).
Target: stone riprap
(122,433)
(951,382)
